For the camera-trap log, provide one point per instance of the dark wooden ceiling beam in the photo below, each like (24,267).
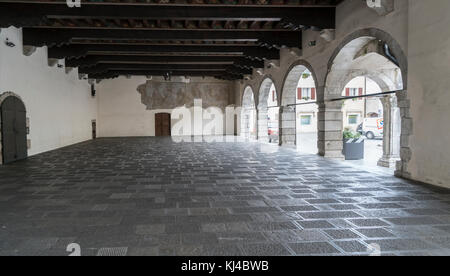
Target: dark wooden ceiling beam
(116,73)
(95,59)
(50,37)
(315,15)
(80,50)
(103,67)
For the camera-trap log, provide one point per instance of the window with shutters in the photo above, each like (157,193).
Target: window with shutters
(307,94)
(354,92)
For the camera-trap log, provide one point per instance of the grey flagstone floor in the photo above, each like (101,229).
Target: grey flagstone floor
(152,196)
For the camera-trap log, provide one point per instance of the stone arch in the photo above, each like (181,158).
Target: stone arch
(356,38)
(291,78)
(288,125)
(248,113)
(247,97)
(383,82)
(391,115)
(372,53)
(3,97)
(373,65)
(264,91)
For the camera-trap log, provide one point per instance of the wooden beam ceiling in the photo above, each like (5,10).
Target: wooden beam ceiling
(230,36)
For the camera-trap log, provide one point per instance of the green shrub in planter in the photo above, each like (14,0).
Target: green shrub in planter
(348,134)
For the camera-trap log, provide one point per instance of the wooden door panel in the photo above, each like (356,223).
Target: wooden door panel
(162,124)
(166,125)
(14,130)
(8,147)
(20,127)
(158,128)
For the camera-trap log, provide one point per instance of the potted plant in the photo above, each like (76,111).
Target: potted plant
(353,145)
(305,75)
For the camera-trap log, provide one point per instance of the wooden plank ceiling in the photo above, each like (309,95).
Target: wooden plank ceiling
(221,38)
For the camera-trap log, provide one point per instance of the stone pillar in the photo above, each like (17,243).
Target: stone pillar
(254,134)
(263,130)
(245,123)
(391,132)
(330,142)
(287,126)
(406,130)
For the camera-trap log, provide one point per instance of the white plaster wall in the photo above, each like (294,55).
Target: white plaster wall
(122,114)
(59,105)
(120,111)
(428,91)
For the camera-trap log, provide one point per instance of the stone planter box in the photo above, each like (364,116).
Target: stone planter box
(354,149)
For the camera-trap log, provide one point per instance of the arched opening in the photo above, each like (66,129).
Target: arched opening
(248,115)
(299,113)
(362,66)
(306,114)
(365,116)
(268,112)
(13,129)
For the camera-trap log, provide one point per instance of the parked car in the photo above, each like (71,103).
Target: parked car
(273,135)
(372,128)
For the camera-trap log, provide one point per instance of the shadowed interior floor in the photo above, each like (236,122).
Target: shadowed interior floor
(151,196)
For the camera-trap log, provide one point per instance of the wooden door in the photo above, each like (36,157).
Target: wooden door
(14,130)
(94,129)
(162,124)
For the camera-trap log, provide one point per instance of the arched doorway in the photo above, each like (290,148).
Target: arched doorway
(268,112)
(248,115)
(13,129)
(371,56)
(366,116)
(306,114)
(298,124)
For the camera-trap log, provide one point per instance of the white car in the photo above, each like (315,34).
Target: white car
(372,128)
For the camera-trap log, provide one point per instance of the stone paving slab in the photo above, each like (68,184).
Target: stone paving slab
(152,196)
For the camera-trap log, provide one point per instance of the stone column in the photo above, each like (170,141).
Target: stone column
(330,142)
(254,135)
(263,130)
(245,121)
(287,126)
(391,132)
(406,130)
